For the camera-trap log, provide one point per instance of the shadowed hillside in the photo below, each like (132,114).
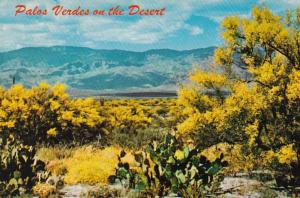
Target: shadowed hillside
(100,70)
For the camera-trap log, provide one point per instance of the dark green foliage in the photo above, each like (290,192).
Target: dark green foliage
(124,175)
(182,169)
(19,170)
(169,167)
(291,179)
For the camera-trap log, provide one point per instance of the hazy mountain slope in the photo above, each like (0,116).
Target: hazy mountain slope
(100,70)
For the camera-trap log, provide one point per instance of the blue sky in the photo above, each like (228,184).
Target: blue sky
(188,24)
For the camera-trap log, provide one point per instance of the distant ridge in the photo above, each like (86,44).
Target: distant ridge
(148,94)
(101,70)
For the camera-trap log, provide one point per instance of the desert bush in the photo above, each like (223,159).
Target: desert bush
(47,114)
(19,169)
(251,97)
(237,161)
(170,167)
(135,122)
(137,139)
(90,165)
(125,116)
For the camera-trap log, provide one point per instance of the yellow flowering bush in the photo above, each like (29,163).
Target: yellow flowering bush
(257,107)
(129,115)
(133,123)
(47,114)
(89,165)
(233,154)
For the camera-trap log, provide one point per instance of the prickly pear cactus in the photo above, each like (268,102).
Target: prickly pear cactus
(19,170)
(170,167)
(182,169)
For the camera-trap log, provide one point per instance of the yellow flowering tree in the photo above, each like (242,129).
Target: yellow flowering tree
(252,97)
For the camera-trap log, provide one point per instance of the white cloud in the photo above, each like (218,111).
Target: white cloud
(22,35)
(218,18)
(282,2)
(23,31)
(54,30)
(194,30)
(146,30)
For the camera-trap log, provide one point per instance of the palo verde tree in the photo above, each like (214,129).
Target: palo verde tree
(261,108)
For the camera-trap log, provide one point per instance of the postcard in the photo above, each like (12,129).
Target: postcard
(149,98)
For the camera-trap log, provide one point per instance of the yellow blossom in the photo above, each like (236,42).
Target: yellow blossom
(52,132)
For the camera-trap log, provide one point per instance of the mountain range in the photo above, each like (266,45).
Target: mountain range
(86,70)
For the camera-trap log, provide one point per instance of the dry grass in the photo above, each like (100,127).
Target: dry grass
(59,152)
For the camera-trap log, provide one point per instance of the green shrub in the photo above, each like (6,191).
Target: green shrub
(19,170)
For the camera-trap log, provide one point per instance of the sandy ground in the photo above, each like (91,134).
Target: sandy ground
(233,187)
